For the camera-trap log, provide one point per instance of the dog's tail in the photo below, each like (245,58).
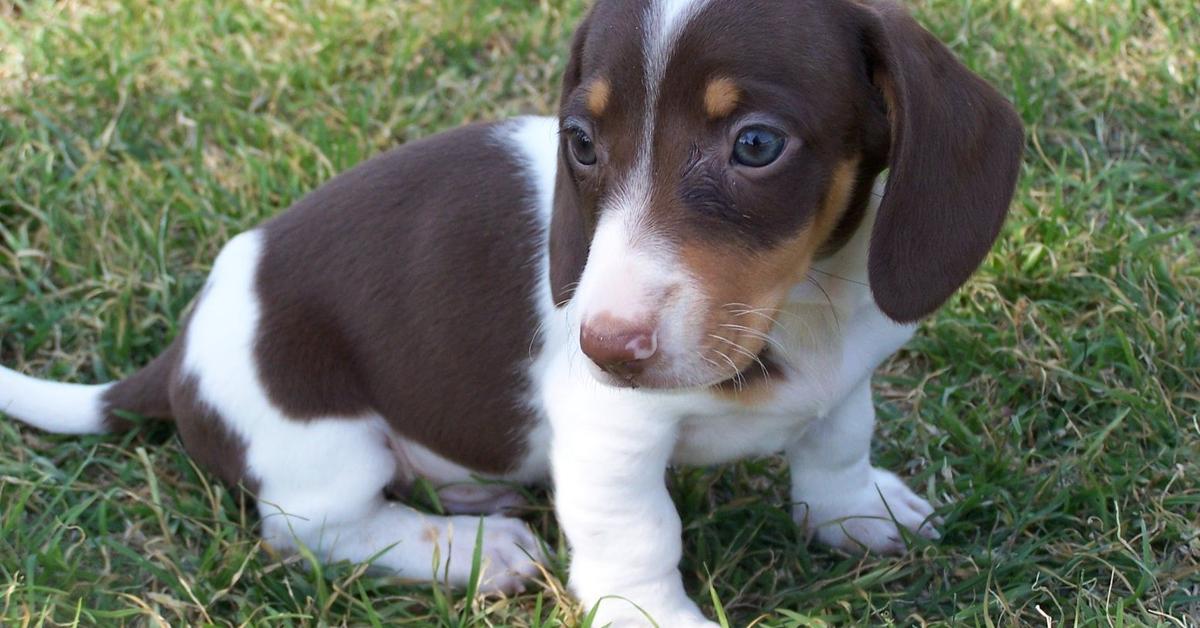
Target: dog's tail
(88,409)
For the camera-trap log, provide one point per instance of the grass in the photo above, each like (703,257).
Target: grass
(1050,410)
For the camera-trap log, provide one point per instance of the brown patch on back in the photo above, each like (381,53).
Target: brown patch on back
(721,97)
(405,288)
(598,94)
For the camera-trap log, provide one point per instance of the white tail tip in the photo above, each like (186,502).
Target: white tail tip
(52,406)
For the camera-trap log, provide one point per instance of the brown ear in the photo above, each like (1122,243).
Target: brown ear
(570,238)
(570,228)
(956,147)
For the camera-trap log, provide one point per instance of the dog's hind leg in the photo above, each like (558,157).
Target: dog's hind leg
(321,484)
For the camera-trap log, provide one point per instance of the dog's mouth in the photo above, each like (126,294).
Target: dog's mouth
(723,364)
(763,368)
(686,342)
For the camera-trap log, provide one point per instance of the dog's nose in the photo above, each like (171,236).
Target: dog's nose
(620,347)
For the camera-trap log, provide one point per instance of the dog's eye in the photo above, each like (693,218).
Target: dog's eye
(582,147)
(758,146)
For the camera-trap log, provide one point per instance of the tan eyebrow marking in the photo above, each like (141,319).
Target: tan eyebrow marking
(598,93)
(720,97)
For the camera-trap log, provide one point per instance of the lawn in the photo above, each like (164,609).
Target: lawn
(1050,411)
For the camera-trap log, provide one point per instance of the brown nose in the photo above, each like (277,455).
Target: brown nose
(622,348)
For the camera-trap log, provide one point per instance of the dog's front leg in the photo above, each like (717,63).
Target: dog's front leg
(609,456)
(839,497)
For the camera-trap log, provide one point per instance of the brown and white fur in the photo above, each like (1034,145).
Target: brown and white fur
(485,304)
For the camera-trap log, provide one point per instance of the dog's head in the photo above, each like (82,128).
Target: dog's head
(712,149)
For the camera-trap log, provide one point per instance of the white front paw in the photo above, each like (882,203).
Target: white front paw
(867,518)
(621,613)
(658,602)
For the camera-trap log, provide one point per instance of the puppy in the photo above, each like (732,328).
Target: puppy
(696,261)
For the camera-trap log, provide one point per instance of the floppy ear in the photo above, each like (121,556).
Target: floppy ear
(955,153)
(570,228)
(570,237)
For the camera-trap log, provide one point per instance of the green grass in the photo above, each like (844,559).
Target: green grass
(1050,410)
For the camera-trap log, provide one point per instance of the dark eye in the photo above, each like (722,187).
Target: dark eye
(758,146)
(582,147)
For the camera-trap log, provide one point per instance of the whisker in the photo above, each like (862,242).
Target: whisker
(736,347)
(537,331)
(836,320)
(754,333)
(749,309)
(833,276)
(705,358)
(802,326)
(569,289)
(738,379)
(758,312)
(742,350)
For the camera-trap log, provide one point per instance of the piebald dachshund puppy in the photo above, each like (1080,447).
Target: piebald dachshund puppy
(696,261)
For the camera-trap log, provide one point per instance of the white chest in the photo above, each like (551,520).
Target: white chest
(823,358)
